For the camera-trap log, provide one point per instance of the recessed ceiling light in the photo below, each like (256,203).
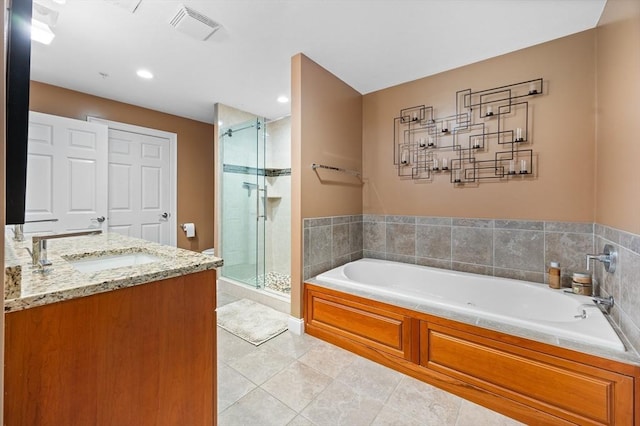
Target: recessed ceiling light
(283,99)
(146,74)
(41,32)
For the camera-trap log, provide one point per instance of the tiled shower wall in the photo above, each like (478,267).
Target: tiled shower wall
(624,283)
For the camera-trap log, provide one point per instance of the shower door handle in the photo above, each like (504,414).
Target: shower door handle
(264,205)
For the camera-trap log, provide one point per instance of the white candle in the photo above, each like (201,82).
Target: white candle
(518,133)
(523,166)
(445,163)
(404,157)
(435,164)
(431,143)
(489,110)
(512,167)
(456,175)
(532,88)
(415,115)
(444,126)
(421,142)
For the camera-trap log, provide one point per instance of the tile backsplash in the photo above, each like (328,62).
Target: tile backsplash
(330,242)
(624,283)
(503,248)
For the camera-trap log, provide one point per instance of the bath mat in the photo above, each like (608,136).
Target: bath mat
(251,321)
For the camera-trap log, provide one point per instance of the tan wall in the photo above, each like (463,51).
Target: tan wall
(331,135)
(618,119)
(563,136)
(195,150)
(2,195)
(326,128)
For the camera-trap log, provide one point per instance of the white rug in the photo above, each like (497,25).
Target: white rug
(251,321)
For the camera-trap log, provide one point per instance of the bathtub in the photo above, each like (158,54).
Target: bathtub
(511,302)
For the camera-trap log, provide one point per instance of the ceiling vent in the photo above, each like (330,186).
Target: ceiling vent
(194,24)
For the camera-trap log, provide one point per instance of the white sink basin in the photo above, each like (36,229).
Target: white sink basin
(101,263)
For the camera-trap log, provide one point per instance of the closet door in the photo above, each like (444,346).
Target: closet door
(66,175)
(139,185)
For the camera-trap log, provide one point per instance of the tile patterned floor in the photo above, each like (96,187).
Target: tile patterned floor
(303,381)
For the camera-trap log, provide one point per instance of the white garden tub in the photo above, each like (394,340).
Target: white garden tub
(512,302)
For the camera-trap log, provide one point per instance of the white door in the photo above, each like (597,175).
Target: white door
(140,186)
(66,174)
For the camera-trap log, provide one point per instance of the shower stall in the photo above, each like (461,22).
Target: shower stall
(254,225)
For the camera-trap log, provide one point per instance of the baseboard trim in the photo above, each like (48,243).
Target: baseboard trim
(296,325)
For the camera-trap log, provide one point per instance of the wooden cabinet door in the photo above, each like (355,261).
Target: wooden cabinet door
(142,355)
(569,390)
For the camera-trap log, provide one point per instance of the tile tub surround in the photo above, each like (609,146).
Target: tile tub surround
(63,282)
(330,242)
(504,248)
(624,283)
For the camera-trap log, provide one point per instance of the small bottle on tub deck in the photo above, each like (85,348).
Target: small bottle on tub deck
(554,275)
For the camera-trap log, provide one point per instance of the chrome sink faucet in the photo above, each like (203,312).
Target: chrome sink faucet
(608,257)
(38,250)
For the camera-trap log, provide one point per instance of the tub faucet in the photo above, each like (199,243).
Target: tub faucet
(604,302)
(38,250)
(608,257)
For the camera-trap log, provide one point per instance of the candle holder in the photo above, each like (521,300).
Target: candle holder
(489,112)
(493,147)
(519,137)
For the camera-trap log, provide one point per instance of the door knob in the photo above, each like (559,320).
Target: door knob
(99,219)
(165,215)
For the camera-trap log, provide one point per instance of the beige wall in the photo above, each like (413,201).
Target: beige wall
(195,150)
(326,128)
(563,132)
(2,195)
(618,122)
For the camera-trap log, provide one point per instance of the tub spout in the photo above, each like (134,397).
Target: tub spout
(604,302)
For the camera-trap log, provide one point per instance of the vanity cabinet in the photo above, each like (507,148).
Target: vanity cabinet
(533,382)
(141,355)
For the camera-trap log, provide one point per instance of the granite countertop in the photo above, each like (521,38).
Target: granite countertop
(26,289)
(629,356)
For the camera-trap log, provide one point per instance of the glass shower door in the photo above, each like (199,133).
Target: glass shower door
(243,202)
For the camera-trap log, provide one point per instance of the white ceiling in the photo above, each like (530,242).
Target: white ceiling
(369,44)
